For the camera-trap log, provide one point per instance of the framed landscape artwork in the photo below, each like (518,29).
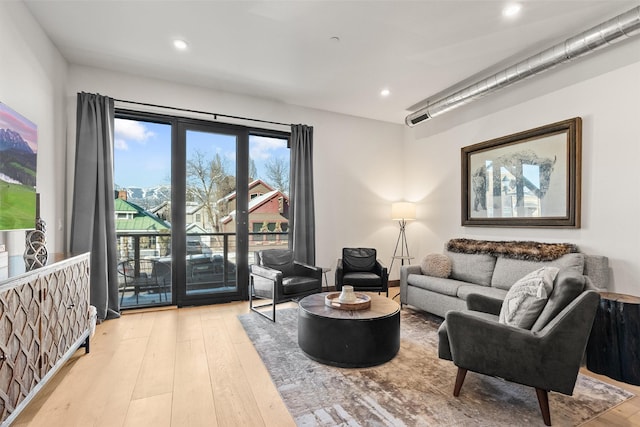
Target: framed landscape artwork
(18,160)
(528,179)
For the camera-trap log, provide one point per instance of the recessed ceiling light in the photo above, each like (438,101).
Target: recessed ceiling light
(180,44)
(385,92)
(511,10)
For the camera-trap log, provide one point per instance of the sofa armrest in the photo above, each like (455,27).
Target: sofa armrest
(405,271)
(484,303)
(596,268)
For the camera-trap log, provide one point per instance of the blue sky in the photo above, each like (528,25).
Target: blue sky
(142,154)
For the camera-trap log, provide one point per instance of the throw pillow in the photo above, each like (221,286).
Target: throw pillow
(527,297)
(436,265)
(567,286)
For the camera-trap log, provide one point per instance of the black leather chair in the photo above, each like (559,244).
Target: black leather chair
(360,268)
(276,276)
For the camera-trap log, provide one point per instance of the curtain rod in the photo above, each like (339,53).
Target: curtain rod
(215,115)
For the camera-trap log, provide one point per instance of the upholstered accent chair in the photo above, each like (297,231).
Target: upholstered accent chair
(546,357)
(360,268)
(277,277)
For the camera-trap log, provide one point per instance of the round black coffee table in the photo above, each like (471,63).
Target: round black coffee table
(349,338)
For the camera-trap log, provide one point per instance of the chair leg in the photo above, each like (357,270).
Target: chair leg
(543,401)
(273,307)
(459,380)
(255,308)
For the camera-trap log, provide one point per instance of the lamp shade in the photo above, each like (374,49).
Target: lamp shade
(403,211)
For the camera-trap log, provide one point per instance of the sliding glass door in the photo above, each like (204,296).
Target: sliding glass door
(212,196)
(194,201)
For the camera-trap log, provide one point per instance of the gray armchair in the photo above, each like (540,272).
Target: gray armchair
(547,357)
(277,277)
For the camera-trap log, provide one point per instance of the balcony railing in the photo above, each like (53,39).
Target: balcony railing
(156,245)
(210,262)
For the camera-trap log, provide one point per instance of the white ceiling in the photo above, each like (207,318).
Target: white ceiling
(282,50)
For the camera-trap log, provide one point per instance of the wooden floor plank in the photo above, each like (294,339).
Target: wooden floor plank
(189,324)
(156,373)
(193,395)
(234,400)
(154,411)
(138,325)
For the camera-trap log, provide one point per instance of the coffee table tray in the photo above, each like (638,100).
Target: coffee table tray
(362,302)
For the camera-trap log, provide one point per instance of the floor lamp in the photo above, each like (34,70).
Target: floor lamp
(402,212)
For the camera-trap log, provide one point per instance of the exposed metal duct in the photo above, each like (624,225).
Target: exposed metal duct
(609,32)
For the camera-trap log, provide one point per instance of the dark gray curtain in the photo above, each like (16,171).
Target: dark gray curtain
(301,210)
(93,217)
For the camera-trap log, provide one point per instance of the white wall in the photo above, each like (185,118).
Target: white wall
(32,81)
(604,91)
(357,162)
(361,166)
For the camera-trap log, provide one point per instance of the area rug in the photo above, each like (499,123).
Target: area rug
(413,389)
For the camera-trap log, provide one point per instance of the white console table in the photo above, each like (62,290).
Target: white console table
(44,319)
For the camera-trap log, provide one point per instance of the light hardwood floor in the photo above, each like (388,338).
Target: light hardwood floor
(185,367)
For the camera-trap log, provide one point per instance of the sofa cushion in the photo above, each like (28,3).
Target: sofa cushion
(507,270)
(567,286)
(465,290)
(296,284)
(527,297)
(362,278)
(436,265)
(472,268)
(435,284)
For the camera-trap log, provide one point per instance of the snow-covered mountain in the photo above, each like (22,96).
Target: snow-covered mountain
(17,159)
(149,197)
(12,140)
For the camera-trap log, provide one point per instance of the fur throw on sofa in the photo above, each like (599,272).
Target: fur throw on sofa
(523,250)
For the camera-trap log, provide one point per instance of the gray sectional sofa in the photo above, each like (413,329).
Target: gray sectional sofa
(487,274)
